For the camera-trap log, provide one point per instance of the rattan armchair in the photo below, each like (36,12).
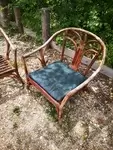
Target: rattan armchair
(59,80)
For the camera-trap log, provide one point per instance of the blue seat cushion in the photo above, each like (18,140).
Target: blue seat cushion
(57,79)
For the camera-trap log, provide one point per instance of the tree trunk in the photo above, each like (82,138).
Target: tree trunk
(18,19)
(4,12)
(45,24)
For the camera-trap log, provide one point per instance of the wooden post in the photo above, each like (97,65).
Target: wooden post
(45,24)
(4,13)
(18,19)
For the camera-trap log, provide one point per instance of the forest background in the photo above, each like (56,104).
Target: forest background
(93,15)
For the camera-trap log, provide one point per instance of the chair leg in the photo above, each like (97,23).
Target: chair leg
(85,88)
(59,112)
(20,79)
(17,76)
(28,85)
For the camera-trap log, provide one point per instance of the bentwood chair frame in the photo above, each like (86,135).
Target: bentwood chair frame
(7,67)
(84,43)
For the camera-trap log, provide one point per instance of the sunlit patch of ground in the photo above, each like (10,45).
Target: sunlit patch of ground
(29,122)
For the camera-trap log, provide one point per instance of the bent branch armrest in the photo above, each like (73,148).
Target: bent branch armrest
(6,38)
(28,55)
(36,50)
(44,45)
(40,49)
(74,91)
(9,46)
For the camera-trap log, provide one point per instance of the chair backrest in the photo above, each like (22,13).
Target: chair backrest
(84,44)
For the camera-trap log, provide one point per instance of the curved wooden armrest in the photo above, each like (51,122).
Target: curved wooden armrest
(74,91)
(6,38)
(24,57)
(9,46)
(44,45)
(31,53)
(36,50)
(39,49)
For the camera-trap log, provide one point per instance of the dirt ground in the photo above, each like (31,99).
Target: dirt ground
(29,122)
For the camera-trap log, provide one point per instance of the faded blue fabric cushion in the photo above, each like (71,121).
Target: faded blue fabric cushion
(57,79)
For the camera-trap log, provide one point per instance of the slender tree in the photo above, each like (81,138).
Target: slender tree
(4,12)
